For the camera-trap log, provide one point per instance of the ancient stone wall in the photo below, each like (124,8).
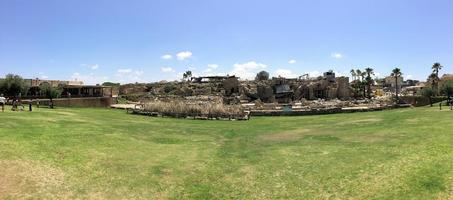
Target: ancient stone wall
(343,88)
(81,102)
(278,89)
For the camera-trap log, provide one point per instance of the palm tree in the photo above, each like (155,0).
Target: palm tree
(358,81)
(363,83)
(358,73)
(436,68)
(187,75)
(353,74)
(354,80)
(433,78)
(369,72)
(396,73)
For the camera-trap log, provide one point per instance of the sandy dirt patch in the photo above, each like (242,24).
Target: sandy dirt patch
(21,179)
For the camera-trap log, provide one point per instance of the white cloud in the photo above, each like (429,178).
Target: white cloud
(94,67)
(207,72)
(167,57)
(167,69)
(292,61)
(89,79)
(124,71)
(314,74)
(408,77)
(285,73)
(192,68)
(247,70)
(184,55)
(337,55)
(210,70)
(213,66)
(42,75)
(129,75)
(343,73)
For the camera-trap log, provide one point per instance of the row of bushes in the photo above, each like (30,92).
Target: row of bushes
(185,109)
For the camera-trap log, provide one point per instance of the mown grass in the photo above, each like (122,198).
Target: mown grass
(108,154)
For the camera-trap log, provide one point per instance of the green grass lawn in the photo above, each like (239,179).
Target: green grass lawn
(108,154)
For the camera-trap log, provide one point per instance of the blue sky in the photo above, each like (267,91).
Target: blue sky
(152,40)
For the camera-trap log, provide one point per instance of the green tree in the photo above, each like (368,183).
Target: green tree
(187,75)
(396,73)
(432,79)
(262,76)
(369,80)
(360,83)
(436,68)
(447,88)
(13,86)
(50,92)
(111,84)
(429,93)
(353,74)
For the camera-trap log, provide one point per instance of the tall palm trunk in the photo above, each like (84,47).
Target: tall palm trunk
(396,87)
(436,82)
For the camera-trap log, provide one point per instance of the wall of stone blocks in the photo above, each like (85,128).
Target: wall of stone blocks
(82,102)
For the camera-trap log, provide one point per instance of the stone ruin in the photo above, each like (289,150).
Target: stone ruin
(233,91)
(277,94)
(284,90)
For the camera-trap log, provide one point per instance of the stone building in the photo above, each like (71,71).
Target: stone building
(227,85)
(325,87)
(89,91)
(390,83)
(70,89)
(286,90)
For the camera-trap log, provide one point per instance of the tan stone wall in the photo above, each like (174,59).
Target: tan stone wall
(343,91)
(82,102)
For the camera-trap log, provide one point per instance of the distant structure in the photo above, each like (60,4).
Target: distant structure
(414,90)
(70,88)
(284,90)
(54,83)
(389,83)
(447,76)
(228,84)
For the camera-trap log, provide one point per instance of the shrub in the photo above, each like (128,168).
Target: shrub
(181,108)
(169,88)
